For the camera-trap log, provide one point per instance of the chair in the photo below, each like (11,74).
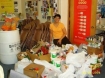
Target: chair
(37,35)
(24,34)
(27,36)
(47,31)
(29,42)
(25,22)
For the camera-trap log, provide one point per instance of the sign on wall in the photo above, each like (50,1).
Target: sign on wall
(7,6)
(82,20)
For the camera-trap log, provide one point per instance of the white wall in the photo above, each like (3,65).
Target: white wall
(39,12)
(19,5)
(63,10)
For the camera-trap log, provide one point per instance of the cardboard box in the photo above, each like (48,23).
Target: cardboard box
(41,57)
(92,50)
(29,70)
(22,55)
(38,46)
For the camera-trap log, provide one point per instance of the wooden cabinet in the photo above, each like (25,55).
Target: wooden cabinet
(82,7)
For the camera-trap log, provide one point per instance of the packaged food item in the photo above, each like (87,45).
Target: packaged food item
(14,23)
(10,22)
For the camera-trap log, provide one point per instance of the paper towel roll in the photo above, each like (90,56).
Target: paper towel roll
(1,72)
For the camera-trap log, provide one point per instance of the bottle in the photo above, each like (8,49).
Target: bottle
(37,70)
(94,58)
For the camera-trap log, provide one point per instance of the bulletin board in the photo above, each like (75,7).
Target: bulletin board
(100,9)
(31,8)
(7,6)
(49,8)
(43,9)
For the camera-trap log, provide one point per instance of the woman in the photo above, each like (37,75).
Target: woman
(58,32)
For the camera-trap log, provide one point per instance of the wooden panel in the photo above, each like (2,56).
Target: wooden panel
(71,19)
(93,17)
(68,22)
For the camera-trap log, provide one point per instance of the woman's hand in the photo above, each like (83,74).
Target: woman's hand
(59,41)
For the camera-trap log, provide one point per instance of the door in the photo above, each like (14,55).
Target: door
(80,28)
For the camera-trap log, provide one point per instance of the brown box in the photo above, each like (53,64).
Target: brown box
(29,70)
(41,57)
(92,50)
(22,55)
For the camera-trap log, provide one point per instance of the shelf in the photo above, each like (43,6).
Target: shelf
(1,21)
(103,29)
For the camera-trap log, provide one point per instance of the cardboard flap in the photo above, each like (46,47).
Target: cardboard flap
(41,57)
(45,57)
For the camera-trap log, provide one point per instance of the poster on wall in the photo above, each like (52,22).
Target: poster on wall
(49,8)
(82,20)
(101,8)
(31,9)
(7,6)
(15,6)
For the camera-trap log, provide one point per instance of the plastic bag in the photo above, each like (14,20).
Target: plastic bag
(48,65)
(85,70)
(76,59)
(48,73)
(69,73)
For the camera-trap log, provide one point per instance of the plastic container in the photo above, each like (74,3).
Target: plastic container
(8,58)
(53,53)
(94,59)
(9,46)
(58,62)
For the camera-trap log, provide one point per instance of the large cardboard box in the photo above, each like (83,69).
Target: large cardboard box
(41,57)
(97,51)
(29,70)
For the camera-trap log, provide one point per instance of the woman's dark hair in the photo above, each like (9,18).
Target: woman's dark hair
(57,15)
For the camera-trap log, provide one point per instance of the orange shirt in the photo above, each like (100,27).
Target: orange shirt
(57,30)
